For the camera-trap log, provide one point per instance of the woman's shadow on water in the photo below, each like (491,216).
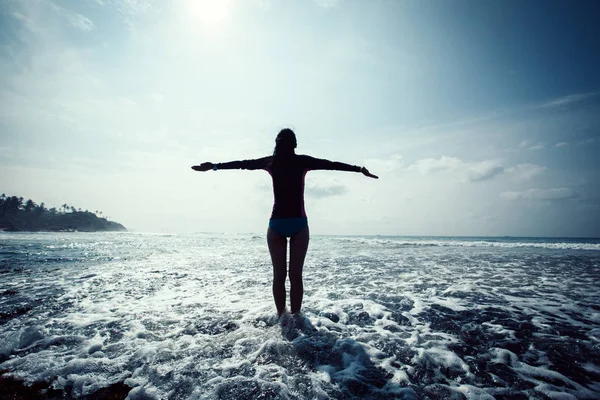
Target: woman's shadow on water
(343,359)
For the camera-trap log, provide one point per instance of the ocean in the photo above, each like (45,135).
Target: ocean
(152,316)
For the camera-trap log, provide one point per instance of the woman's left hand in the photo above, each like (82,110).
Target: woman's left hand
(366,172)
(203,167)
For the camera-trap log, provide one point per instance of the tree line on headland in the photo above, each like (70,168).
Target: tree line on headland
(16,214)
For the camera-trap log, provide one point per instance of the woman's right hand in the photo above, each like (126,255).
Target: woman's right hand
(203,167)
(366,172)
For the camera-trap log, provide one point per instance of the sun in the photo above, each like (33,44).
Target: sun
(209,13)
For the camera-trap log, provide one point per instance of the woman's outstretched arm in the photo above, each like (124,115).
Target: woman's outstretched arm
(319,163)
(259,163)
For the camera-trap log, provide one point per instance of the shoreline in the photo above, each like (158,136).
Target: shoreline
(62,230)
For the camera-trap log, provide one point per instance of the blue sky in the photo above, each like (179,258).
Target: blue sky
(481,117)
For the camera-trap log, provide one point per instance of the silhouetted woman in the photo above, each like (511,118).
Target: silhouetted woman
(288,219)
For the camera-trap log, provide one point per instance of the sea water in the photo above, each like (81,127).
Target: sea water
(192,317)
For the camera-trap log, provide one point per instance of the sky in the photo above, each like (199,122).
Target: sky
(480,117)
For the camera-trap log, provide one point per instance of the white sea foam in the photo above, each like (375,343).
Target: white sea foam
(192,317)
(522,243)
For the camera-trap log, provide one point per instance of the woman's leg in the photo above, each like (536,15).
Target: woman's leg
(298,247)
(278,249)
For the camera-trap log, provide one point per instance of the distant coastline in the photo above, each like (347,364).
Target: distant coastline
(17,215)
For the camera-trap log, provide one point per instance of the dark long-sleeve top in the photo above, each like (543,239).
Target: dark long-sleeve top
(288,179)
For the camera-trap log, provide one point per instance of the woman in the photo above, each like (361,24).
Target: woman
(288,219)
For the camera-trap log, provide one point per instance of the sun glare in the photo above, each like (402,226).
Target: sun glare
(209,13)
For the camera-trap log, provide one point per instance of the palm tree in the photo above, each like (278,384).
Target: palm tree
(13,203)
(29,205)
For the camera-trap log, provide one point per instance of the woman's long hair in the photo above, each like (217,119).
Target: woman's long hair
(285,143)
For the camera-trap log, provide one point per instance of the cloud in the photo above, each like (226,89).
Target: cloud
(525,144)
(475,171)
(130,7)
(475,216)
(526,171)
(472,172)
(6,151)
(76,20)
(81,22)
(444,163)
(263,4)
(327,3)
(323,188)
(554,194)
(591,201)
(569,100)
(537,146)
(157,97)
(587,141)
(561,144)
(26,21)
(483,170)
(130,10)
(386,164)
(126,101)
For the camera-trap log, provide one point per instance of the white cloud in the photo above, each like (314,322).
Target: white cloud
(444,163)
(386,164)
(263,4)
(324,188)
(131,7)
(327,3)
(566,101)
(76,20)
(526,171)
(5,151)
(542,194)
(537,146)
(483,170)
(561,144)
(475,216)
(157,97)
(475,171)
(26,21)
(587,141)
(525,144)
(81,22)
(126,101)
(130,10)
(472,172)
